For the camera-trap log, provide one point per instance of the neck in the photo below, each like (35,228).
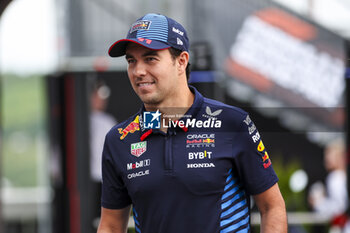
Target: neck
(173,108)
(178,104)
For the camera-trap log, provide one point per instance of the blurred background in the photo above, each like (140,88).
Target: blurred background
(285,62)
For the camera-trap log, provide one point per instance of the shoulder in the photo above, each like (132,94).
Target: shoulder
(126,122)
(336,175)
(224,111)
(120,131)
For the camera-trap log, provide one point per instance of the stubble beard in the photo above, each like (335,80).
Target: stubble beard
(153,100)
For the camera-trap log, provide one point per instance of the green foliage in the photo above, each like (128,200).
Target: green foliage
(22,121)
(23,101)
(294,201)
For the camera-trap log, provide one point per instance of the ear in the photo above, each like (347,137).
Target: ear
(182,61)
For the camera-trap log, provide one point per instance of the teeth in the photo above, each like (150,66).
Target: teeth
(144,84)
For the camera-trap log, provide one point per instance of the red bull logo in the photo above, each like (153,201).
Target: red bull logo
(266,165)
(209,140)
(265,157)
(131,128)
(266,160)
(261,146)
(194,141)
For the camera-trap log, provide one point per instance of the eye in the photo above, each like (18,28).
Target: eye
(130,60)
(150,59)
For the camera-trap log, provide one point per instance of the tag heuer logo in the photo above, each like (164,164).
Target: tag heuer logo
(138,148)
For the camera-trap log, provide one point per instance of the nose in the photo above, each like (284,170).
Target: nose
(139,69)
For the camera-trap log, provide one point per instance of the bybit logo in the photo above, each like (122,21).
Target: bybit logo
(199,155)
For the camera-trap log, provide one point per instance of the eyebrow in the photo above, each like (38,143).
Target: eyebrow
(148,53)
(127,56)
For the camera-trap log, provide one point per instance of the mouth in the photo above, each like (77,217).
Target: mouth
(145,84)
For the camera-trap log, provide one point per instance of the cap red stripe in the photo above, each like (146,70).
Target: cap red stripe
(129,40)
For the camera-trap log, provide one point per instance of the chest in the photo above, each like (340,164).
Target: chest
(196,163)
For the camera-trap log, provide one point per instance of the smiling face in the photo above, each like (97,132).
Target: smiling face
(154,75)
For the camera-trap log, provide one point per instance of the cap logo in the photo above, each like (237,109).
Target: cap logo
(140,25)
(181,33)
(155,32)
(148,41)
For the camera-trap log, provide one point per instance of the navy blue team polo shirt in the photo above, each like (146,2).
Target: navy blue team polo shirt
(196,178)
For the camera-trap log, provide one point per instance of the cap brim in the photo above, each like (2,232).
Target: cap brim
(119,48)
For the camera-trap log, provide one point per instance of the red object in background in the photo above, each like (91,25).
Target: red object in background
(339,220)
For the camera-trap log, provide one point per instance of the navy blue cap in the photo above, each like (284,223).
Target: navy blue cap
(153,31)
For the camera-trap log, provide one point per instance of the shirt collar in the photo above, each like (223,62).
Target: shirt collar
(191,113)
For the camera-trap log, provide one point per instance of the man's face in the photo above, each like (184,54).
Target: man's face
(153,74)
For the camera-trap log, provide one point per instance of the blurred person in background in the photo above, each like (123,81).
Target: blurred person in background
(331,200)
(100,123)
(182,179)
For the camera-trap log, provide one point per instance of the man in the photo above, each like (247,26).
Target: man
(331,200)
(100,123)
(184,162)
